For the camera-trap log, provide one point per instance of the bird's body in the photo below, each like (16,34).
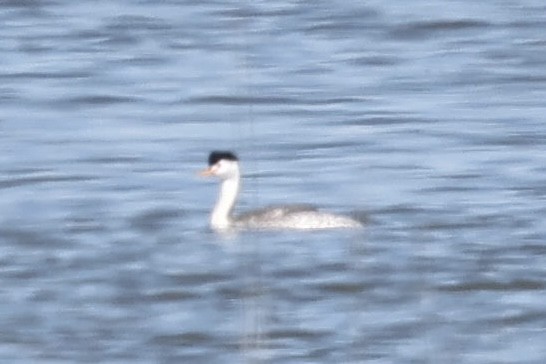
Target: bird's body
(293,217)
(225,165)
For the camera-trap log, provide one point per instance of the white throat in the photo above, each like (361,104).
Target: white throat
(221,214)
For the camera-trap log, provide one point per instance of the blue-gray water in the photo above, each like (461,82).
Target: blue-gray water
(426,119)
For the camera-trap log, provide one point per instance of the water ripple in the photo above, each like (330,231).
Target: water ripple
(53,178)
(428,29)
(515,285)
(273,100)
(97,100)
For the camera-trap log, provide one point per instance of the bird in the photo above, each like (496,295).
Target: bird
(225,166)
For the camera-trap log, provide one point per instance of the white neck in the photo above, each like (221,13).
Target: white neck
(229,190)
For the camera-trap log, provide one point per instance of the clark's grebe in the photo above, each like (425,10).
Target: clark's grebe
(225,165)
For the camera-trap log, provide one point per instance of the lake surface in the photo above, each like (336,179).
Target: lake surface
(425,120)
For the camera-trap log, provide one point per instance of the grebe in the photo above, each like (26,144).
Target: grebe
(225,165)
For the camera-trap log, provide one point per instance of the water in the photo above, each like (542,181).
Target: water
(425,120)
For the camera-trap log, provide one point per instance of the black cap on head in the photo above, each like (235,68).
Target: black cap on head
(217,155)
